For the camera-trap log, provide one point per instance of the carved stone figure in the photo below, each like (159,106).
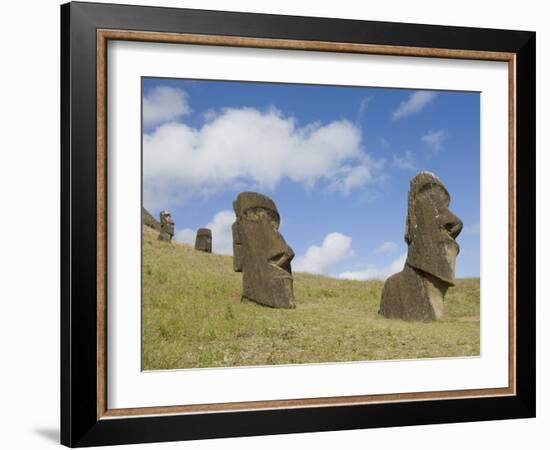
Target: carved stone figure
(203,242)
(166,227)
(261,253)
(417,293)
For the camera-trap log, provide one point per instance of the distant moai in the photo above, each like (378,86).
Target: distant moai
(418,291)
(203,242)
(261,253)
(166,227)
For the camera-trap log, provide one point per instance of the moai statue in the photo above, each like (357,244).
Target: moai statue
(203,242)
(261,253)
(166,227)
(417,292)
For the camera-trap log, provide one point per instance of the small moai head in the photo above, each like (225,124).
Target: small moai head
(431,228)
(166,226)
(203,242)
(261,253)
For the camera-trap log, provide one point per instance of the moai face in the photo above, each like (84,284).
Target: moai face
(203,241)
(166,226)
(261,253)
(432,228)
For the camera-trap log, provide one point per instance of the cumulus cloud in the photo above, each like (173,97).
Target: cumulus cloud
(185,235)
(386,247)
(210,114)
(350,177)
(241,148)
(376,272)
(413,104)
(320,259)
(222,238)
(163,104)
(405,162)
(434,138)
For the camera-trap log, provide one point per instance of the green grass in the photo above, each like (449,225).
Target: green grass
(193,317)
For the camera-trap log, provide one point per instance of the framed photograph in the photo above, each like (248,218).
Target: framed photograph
(277,224)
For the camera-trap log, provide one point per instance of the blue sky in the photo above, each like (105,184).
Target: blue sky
(336,160)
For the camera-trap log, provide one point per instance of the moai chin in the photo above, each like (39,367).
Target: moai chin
(203,242)
(166,227)
(261,253)
(417,292)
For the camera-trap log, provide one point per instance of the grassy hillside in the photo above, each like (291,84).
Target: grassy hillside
(193,317)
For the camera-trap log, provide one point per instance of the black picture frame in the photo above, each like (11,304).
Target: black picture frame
(80,425)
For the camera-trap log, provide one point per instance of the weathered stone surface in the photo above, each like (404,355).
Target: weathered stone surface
(417,293)
(413,295)
(148,220)
(166,227)
(203,242)
(261,253)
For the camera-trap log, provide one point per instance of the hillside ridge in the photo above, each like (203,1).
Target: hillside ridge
(193,317)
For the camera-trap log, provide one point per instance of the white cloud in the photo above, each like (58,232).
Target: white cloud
(413,104)
(349,177)
(406,162)
(374,272)
(471,230)
(247,148)
(164,103)
(364,105)
(434,138)
(386,247)
(335,248)
(185,235)
(222,237)
(210,114)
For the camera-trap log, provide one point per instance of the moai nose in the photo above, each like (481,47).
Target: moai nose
(282,254)
(452,224)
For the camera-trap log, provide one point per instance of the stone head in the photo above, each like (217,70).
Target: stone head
(431,228)
(260,252)
(203,241)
